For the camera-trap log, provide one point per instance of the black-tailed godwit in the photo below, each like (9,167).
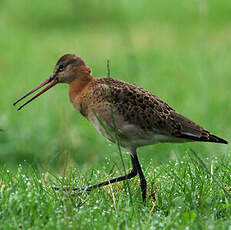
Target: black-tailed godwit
(134,115)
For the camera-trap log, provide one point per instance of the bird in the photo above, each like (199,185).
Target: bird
(133,115)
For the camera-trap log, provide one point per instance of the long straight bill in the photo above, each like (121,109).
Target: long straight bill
(54,82)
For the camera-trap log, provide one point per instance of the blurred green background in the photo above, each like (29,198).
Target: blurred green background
(180,50)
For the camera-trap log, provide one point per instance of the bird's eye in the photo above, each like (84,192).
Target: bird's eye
(61,67)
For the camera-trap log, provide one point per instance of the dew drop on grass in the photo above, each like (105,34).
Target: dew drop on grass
(29,194)
(2,190)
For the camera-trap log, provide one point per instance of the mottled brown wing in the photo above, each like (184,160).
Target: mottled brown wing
(142,108)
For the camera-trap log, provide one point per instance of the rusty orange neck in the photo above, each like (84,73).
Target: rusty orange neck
(80,82)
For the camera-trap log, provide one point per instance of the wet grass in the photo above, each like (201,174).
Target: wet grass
(178,50)
(181,195)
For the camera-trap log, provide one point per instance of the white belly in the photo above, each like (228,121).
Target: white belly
(131,136)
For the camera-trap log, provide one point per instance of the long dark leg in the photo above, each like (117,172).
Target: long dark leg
(143,182)
(130,175)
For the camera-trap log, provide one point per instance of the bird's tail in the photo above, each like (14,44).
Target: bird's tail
(209,138)
(213,138)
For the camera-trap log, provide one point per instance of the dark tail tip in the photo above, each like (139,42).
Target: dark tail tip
(210,138)
(213,138)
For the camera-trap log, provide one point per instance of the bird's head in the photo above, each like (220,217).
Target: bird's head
(68,68)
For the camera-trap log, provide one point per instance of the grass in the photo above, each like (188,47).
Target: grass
(181,194)
(179,50)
